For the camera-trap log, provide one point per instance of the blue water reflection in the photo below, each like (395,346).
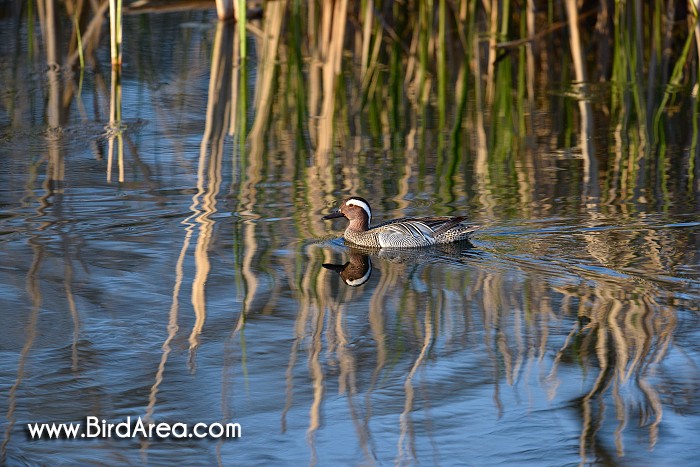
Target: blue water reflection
(190,279)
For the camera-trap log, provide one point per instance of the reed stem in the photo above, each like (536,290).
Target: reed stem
(115,31)
(241,28)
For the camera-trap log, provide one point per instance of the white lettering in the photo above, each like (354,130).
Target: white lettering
(233,430)
(123,429)
(179,430)
(71,429)
(36,430)
(92,427)
(163,430)
(196,430)
(140,429)
(219,430)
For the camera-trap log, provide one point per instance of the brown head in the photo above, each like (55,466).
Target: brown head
(356,210)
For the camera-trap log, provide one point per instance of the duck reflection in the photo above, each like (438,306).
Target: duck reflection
(356,271)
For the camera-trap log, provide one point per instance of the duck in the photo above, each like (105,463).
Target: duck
(404,232)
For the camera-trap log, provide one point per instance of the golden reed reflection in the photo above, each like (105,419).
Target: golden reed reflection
(620,334)
(405,450)
(115,129)
(625,332)
(34,290)
(209,177)
(60,94)
(199,225)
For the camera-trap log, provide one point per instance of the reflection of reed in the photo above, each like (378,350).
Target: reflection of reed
(34,291)
(54,107)
(407,436)
(173,328)
(624,351)
(115,126)
(625,339)
(316,319)
(57,103)
(72,307)
(481,164)
(53,196)
(320,327)
(209,171)
(202,207)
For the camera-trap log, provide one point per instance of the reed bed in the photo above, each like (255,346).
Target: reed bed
(477,75)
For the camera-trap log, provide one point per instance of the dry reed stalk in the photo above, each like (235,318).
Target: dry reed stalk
(115,30)
(272,21)
(590,166)
(225,9)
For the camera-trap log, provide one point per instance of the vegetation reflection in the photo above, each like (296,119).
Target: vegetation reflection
(537,111)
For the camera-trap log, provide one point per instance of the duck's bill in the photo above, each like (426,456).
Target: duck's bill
(333,215)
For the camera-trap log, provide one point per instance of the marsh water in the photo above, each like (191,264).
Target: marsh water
(167,260)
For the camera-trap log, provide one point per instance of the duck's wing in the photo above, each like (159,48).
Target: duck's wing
(405,234)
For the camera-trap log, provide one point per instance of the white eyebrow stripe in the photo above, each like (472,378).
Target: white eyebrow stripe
(363,205)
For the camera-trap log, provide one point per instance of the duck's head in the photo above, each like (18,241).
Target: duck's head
(356,210)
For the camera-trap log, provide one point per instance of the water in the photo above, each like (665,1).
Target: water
(194,290)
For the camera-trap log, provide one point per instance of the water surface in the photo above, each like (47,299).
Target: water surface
(186,283)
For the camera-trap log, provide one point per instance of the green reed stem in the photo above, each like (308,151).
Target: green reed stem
(242,101)
(396,88)
(504,17)
(694,139)
(672,86)
(241,27)
(461,95)
(79,39)
(442,67)
(296,65)
(425,28)
(522,69)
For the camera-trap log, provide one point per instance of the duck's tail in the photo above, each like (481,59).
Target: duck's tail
(455,232)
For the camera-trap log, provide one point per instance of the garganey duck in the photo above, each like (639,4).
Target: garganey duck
(406,232)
